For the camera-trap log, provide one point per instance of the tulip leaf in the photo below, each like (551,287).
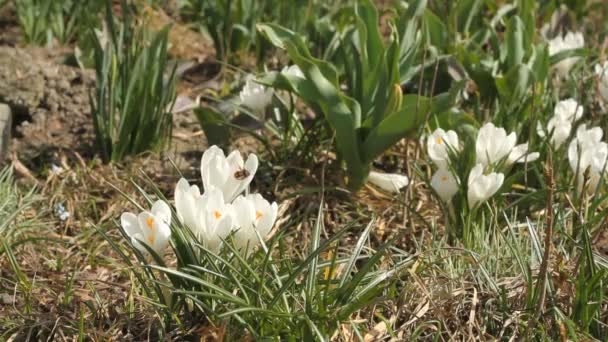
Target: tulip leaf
(396,126)
(372,40)
(214,126)
(434,30)
(322,91)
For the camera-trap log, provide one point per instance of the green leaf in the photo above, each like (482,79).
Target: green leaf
(513,48)
(466,12)
(396,126)
(374,47)
(514,85)
(539,63)
(214,126)
(434,30)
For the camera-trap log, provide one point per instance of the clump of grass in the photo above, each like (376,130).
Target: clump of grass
(135,88)
(14,229)
(43,21)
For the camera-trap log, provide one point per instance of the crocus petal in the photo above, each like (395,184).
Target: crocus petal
(293,70)
(391,182)
(185,204)
(129,223)
(519,154)
(252,213)
(161,210)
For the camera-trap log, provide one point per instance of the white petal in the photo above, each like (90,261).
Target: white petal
(163,234)
(293,70)
(129,223)
(161,210)
(520,154)
(214,168)
(185,205)
(391,182)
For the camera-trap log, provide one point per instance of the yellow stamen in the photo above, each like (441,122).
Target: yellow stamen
(444,178)
(439,140)
(151,239)
(217,215)
(150,222)
(258,215)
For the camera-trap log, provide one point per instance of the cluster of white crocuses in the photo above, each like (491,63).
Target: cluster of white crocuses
(494,150)
(222,209)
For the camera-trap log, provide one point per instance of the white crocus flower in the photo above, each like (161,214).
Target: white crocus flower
(593,159)
(251,213)
(208,216)
(439,144)
(482,187)
(568,110)
(255,96)
(292,70)
(390,182)
(560,43)
(445,184)
(229,174)
(151,228)
(587,153)
(601,71)
(586,147)
(565,113)
(493,145)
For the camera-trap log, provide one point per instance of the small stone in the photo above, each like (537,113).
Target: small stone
(5,129)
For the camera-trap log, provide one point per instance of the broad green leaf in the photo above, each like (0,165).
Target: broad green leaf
(396,126)
(279,36)
(513,48)
(374,47)
(214,126)
(434,30)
